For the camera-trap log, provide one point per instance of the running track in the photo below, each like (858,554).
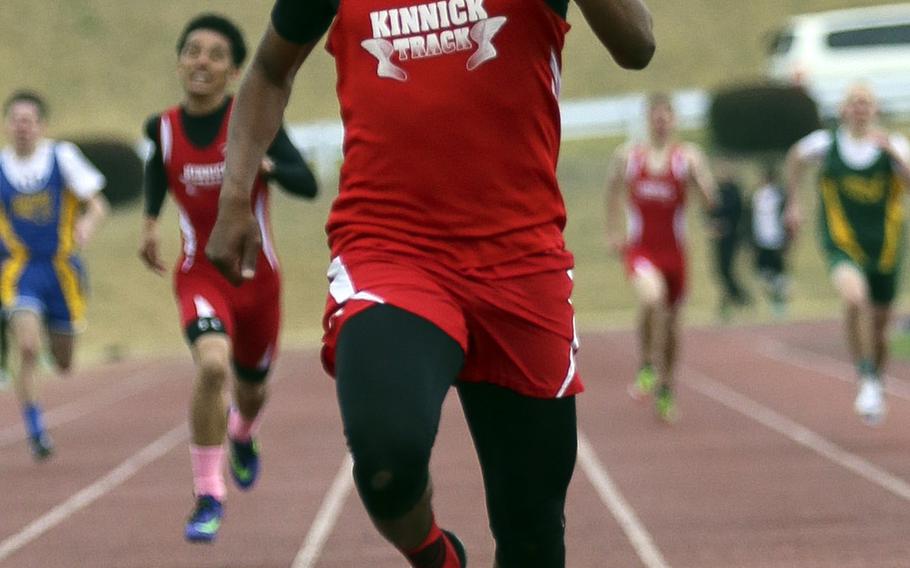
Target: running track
(766,468)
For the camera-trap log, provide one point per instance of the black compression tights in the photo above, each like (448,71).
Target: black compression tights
(393,371)
(526,448)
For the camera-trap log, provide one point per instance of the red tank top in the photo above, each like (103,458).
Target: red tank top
(451,128)
(194,175)
(656,218)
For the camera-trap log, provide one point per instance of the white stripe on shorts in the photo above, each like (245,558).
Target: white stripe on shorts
(573,349)
(341,285)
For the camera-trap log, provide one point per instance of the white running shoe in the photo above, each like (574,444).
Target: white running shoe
(870,401)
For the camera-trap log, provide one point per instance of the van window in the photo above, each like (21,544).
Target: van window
(871,37)
(781,42)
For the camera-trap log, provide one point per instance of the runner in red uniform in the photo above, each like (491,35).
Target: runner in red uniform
(448,265)
(223,324)
(653,177)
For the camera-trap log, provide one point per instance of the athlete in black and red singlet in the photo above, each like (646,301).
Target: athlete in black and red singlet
(448,261)
(223,324)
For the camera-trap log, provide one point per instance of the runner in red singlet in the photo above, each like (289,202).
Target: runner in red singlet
(231,330)
(448,261)
(653,178)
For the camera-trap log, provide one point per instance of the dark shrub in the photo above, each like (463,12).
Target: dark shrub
(761,118)
(119,163)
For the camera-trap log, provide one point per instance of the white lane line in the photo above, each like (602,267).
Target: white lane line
(326,517)
(635,531)
(84,406)
(798,433)
(819,363)
(95,491)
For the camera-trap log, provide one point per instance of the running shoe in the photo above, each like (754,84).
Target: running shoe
(870,400)
(644,383)
(205,520)
(41,446)
(665,405)
(244,462)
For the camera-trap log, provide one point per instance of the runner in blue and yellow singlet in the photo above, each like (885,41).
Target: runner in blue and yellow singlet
(50,206)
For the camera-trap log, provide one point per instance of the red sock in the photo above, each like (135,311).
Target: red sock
(436,551)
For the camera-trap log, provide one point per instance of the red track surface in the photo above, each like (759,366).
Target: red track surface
(767,467)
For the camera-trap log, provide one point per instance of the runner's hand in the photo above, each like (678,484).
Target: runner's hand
(149,252)
(82,232)
(883,140)
(235,241)
(617,244)
(793,219)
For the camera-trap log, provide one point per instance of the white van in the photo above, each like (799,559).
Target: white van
(826,51)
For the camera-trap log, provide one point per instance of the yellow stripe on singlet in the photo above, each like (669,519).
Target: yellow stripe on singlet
(66,272)
(838,226)
(14,265)
(894,224)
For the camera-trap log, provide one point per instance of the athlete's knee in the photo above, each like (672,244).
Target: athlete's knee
(532,538)
(391,470)
(528,519)
(212,369)
(28,351)
(851,285)
(64,366)
(652,290)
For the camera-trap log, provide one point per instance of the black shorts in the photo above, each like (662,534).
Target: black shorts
(769,260)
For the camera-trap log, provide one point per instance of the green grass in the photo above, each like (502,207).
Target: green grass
(900,344)
(107,64)
(132,311)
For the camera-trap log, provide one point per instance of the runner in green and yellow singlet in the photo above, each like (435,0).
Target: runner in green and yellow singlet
(863,174)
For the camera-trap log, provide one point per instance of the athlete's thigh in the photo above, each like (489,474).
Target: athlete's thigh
(257,319)
(203,304)
(647,279)
(62,346)
(849,280)
(26,326)
(522,334)
(363,279)
(675,276)
(527,448)
(24,288)
(882,287)
(65,296)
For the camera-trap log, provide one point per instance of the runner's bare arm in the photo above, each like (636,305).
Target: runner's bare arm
(96,208)
(258,111)
(616,186)
(899,160)
(702,178)
(795,167)
(624,27)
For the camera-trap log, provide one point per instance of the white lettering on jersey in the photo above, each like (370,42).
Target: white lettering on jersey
(431,30)
(654,190)
(207,176)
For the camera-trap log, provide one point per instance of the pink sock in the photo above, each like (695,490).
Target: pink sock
(207,463)
(239,428)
